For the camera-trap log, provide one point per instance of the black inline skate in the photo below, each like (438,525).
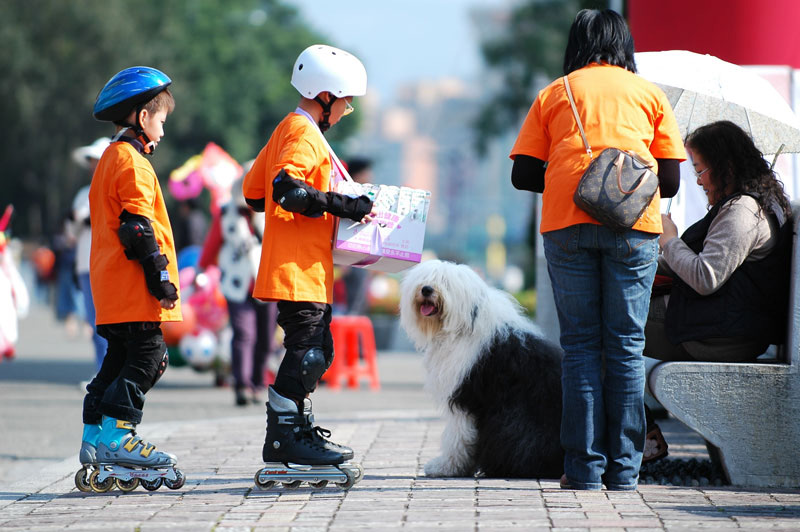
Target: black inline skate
(296,451)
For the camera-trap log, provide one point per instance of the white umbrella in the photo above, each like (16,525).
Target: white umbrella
(703,89)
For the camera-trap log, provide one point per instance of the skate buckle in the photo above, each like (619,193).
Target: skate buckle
(147,449)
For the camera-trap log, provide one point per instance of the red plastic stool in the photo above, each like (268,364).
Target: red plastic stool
(353,336)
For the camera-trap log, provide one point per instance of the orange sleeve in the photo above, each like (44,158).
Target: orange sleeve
(534,138)
(136,191)
(253,183)
(299,159)
(667,142)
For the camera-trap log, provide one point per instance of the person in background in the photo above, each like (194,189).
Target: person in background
(191,224)
(730,271)
(68,303)
(87,157)
(234,244)
(601,279)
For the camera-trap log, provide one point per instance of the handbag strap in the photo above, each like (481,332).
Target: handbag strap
(577,118)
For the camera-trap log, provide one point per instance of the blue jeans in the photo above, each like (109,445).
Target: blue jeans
(100,343)
(601,284)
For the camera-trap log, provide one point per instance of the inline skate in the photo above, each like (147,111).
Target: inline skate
(296,451)
(87,457)
(125,460)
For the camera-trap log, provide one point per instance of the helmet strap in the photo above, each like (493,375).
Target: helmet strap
(324,124)
(147,145)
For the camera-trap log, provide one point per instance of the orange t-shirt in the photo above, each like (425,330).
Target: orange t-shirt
(124,179)
(618,109)
(296,258)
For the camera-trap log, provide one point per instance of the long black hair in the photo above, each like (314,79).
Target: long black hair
(599,36)
(737,165)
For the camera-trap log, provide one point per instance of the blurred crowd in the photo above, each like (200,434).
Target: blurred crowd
(225,331)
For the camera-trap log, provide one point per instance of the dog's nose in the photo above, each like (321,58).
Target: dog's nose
(427,291)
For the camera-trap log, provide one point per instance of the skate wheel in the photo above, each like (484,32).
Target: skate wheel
(265,485)
(82,480)
(350,482)
(359,471)
(292,485)
(100,487)
(152,485)
(177,483)
(318,485)
(127,485)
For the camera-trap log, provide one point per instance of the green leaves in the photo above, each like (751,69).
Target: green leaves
(230,62)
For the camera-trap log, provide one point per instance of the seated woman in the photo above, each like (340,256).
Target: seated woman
(730,270)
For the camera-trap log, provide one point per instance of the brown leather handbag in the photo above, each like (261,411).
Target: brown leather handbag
(617,186)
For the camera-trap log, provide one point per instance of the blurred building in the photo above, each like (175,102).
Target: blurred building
(425,139)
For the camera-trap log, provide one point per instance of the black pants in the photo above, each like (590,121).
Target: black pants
(305,325)
(134,361)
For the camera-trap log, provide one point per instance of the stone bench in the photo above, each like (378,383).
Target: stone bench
(749,414)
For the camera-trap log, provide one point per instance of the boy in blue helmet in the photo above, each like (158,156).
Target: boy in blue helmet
(132,269)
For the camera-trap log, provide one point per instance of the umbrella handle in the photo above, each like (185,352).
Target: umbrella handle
(775,159)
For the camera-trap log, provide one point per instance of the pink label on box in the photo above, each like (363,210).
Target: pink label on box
(349,245)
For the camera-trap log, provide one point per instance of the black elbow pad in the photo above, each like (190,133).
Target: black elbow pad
(295,200)
(137,237)
(294,195)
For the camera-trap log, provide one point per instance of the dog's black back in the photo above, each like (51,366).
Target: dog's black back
(514,395)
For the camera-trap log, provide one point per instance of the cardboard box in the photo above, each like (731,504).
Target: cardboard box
(393,241)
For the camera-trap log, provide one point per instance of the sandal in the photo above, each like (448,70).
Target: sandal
(655,447)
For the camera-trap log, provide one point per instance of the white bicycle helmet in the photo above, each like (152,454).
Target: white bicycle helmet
(320,68)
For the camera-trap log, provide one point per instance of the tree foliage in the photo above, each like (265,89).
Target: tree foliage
(525,54)
(230,62)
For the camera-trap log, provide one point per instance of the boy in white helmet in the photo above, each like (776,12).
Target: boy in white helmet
(292,181)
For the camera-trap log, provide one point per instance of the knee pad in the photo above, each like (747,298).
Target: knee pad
(161,368)
(312,367)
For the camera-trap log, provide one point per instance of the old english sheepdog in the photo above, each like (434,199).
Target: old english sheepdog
(496,379)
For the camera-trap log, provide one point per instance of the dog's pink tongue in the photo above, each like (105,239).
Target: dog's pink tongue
(427,309)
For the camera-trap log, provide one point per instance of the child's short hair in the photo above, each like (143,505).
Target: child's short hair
(161,101)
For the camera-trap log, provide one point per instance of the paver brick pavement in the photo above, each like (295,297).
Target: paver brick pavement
(220,455)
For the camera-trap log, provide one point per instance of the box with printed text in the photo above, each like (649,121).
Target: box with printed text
(393,241)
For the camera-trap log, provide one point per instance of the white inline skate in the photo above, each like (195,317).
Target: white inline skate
(87,456)
(125,460)
(295,451)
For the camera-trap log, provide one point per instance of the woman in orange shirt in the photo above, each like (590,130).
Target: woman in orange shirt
(601,279)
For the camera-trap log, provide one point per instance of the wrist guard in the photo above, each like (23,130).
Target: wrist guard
(137,238)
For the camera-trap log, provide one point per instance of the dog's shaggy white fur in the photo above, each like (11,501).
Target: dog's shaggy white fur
(497,380)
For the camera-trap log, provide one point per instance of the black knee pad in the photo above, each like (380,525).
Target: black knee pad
(162,367)
(312,367)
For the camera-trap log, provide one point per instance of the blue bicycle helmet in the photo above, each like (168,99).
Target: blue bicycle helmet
(128,89)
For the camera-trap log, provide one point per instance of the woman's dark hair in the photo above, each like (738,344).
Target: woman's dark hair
(737,166)
(599,37)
